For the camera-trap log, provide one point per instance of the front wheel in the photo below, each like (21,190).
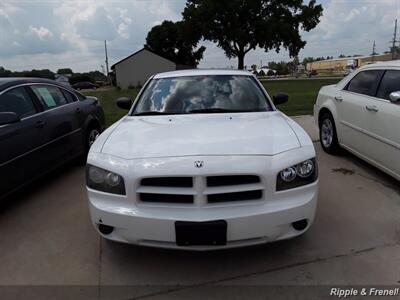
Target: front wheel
(92,135)
(327,134)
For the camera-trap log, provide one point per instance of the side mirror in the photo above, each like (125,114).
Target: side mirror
(8,118)
(395,97)
(280,98)
(124,103)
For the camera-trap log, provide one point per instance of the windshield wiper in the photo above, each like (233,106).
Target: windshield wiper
(216,110)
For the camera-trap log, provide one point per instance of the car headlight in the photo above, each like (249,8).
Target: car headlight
(300,174)
(105,181)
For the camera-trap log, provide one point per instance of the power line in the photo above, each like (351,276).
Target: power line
(394,41)
(105,49)
(373,51)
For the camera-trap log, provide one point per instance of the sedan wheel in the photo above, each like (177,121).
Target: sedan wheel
(93,135)
(327,134)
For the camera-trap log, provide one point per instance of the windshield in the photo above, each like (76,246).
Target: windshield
(202,94)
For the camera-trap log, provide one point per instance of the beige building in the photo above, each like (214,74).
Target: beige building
(341,64)
(135,69)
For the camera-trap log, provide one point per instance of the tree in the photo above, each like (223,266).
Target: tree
(65,71)
(238,26)
(175,41)
(270,73)
(281,68)
(77,77)
(5,72)
(307,60)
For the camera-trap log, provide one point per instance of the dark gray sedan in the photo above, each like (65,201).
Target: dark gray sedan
(43,124)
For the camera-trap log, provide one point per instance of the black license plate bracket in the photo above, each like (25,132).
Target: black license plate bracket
(209,233)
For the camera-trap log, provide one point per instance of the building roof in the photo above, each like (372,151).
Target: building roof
(201,72)
(137,52)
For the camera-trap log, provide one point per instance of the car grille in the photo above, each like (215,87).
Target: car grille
(200,190)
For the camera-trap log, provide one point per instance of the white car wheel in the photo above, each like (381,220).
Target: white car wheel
(328,135)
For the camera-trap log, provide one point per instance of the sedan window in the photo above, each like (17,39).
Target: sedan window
(365,82)
(17,101)
(70,97)
(390,83)
(202,94)
(49,96)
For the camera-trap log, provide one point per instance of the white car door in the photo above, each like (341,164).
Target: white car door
(351,110)
(383,123)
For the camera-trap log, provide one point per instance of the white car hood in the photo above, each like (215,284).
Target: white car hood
(263,133)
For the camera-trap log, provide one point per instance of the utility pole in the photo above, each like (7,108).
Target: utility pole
(373,52)
(394,39)
(105,48)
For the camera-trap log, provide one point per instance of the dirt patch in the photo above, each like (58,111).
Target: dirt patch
(343,171)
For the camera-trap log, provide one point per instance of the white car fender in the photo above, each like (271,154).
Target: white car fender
(324,100)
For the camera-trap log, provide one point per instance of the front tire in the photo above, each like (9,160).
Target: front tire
(328,135)
(91,136)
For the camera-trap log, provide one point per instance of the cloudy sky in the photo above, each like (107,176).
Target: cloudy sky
(55,34)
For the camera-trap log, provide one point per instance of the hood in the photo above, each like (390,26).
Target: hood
(260,133)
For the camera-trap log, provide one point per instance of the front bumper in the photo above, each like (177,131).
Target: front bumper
(249,222)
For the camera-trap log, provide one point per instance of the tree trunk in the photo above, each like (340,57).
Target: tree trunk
(241,61)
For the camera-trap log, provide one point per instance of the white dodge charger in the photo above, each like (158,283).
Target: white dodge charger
(203,160)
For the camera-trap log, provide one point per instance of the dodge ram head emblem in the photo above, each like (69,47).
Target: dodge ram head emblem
(198,163)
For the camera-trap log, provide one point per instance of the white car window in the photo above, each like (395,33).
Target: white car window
(365,82)
(390,83)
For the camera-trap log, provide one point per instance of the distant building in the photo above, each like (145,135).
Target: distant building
(135,69)
(346,63)
(63,78)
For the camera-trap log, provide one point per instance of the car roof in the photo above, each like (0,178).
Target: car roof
(7,82)
(202,72)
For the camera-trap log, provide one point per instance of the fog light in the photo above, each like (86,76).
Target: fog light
(300,225)
(105,229)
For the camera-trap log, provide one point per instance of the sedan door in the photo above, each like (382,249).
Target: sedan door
(352,113)
(383,123)
(21,142)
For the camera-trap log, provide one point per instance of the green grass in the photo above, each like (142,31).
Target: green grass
(302,96)
(302,93)
(108,102)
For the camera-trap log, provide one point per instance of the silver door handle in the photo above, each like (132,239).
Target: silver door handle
(338,98)
(372,108)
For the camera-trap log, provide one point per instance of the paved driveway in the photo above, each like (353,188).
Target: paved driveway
(46,239)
